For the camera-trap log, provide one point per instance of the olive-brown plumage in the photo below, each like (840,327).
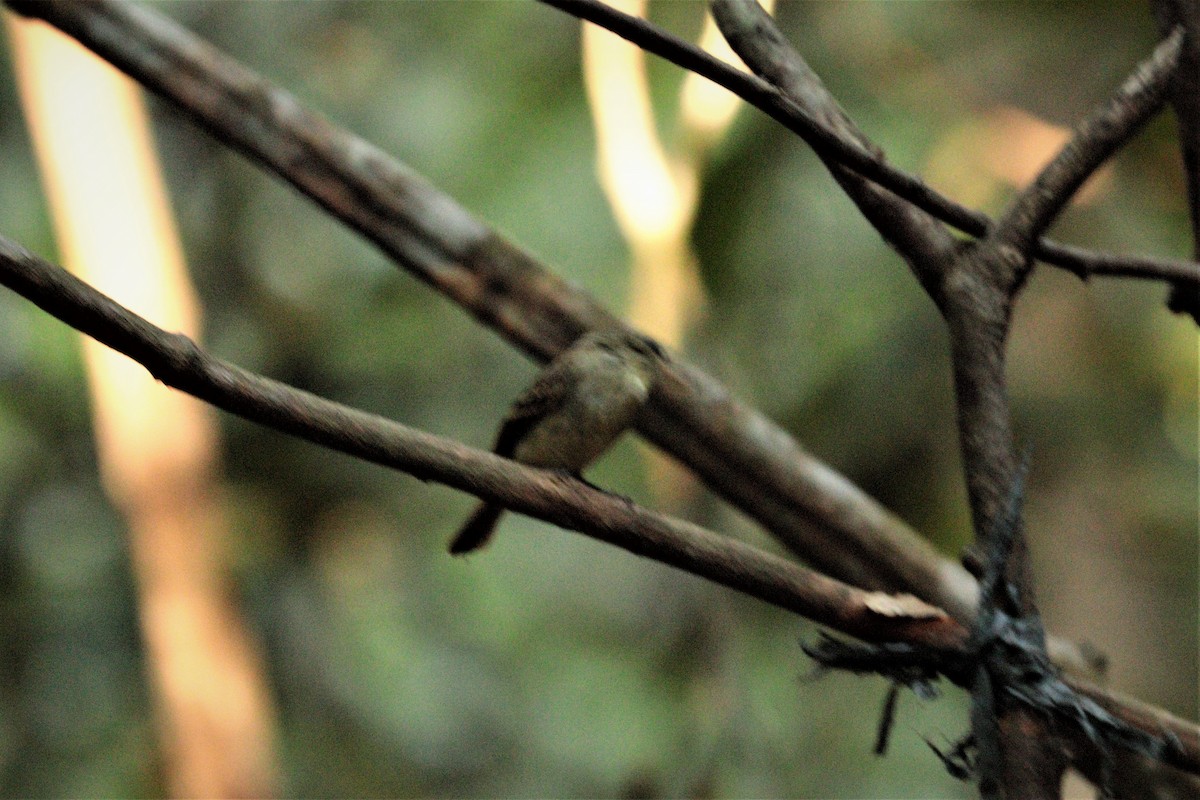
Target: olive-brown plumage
(578,406)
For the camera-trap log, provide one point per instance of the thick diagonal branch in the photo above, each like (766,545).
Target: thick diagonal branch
(813,510)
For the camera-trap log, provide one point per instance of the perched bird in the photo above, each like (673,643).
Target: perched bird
(578,406)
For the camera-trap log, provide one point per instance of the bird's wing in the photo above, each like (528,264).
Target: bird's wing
(542,398)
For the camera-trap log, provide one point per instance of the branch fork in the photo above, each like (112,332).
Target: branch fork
(975,286)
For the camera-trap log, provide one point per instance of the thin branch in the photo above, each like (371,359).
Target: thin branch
(1095,140)
(917,236)
(177,361)
(767,98)
(740,454)
(1085,263)
(828,144)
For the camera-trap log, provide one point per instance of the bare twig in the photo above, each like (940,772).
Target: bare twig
(915,234)
(177,361)
(828,144)
(1086,263)
(981,287)
(744,457)
(920,239)
(1095,139)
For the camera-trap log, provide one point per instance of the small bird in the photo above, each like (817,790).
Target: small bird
(578,406)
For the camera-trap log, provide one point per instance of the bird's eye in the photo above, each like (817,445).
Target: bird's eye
(648,346)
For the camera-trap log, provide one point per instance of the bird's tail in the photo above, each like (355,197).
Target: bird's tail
(477,530)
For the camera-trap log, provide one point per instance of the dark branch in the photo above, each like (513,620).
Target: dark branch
(1096,138)
(1085,263)
(919,238)
(762,95)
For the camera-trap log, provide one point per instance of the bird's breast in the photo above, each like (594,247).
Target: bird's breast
(601,405)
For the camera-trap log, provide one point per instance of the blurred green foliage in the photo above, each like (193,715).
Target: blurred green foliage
(550,665)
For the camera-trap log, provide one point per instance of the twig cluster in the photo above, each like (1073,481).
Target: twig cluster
(813,511)
(862,158)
